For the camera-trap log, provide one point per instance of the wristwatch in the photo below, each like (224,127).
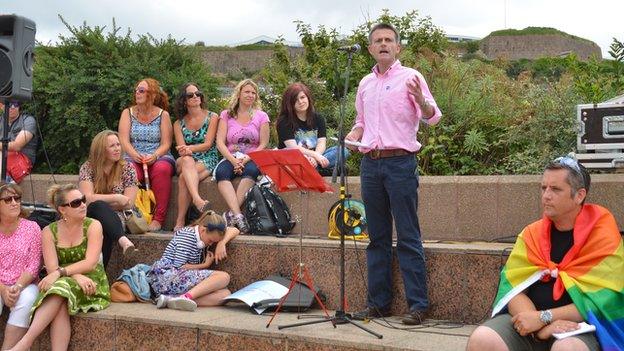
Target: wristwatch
(546,316)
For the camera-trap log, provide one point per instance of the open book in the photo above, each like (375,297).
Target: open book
(259,291)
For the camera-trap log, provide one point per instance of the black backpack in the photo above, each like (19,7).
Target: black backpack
(267,213)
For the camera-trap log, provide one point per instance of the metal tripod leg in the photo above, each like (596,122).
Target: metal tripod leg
(300,273)
(336,319)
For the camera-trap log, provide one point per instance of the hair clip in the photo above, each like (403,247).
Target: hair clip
(219,227)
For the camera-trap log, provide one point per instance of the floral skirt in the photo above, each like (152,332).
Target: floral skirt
(165,279)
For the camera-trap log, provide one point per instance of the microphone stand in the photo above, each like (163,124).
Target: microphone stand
(341,317)
(5,140)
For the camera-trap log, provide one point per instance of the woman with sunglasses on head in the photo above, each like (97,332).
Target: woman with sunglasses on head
(181,277)
(22,142)
(75,280)
(243,128)
(20,260)
(194,133)
(110,186)
(145,133)
(300,127)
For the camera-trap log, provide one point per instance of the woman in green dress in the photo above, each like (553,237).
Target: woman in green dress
(76,280)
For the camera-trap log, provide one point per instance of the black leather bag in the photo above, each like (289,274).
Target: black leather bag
(267,213)
(300,299)
(43,215)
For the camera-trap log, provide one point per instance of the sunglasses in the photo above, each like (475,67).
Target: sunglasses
(14,104)
(76,203)
(570,163)
(140,90)
(13,198)
(198,93)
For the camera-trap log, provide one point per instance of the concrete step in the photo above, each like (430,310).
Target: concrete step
(462,208)
(137,326)
(462,277)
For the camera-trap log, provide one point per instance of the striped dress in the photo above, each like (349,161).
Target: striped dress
(167,277)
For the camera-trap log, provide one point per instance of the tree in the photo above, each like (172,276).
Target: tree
(82,84)
(322,66)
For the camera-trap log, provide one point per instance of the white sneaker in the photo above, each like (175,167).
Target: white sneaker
(162,300)
(181,303)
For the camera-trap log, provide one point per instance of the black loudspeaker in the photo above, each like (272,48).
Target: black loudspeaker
(17,43)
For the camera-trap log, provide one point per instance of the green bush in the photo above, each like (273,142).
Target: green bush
(322,67)
(82,84)
(496,119)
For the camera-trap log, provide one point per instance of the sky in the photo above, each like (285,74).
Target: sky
(230,22)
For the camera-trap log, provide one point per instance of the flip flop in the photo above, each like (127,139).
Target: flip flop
(204,208)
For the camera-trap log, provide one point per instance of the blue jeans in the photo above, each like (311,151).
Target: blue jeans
(225,171)
(331,154)
(390,191)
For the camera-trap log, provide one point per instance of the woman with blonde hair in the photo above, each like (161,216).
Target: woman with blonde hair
(110,186)
(20,260)
(181,277)
(145,133)
(75,280)
(243,128)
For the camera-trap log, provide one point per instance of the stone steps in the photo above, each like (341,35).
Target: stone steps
(458,216)
(137,326)
(459,208)
(462,277)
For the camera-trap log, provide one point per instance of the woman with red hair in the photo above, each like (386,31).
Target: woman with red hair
(146,133)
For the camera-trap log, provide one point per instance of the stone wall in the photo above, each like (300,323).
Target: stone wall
(514,47)
(230,61)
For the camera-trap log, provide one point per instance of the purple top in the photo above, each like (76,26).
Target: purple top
(244,138)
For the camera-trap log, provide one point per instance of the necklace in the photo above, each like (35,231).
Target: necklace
(143,113)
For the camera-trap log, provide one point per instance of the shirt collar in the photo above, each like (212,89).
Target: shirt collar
(200,243)
(395,64)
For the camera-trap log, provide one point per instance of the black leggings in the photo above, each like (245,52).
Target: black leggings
(112,227)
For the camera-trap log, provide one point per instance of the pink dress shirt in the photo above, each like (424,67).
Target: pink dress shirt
(388,113)
(20,251)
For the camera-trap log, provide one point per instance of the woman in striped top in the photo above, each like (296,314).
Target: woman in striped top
(181,276)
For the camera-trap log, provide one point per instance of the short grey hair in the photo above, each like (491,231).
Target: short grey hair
(378,26)
(578,178)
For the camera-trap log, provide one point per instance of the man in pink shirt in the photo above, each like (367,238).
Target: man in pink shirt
(391,101)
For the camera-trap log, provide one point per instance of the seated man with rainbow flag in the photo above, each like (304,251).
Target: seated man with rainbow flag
(564,269)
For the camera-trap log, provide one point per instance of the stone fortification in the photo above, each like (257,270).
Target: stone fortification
(515,47)
(231,61)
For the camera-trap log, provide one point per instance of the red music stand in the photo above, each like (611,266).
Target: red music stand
(290,170)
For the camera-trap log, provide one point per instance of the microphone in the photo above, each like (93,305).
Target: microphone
(351,48)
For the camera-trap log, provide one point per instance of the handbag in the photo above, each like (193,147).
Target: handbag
(121,292)
(135,222)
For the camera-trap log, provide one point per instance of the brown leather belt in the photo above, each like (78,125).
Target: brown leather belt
(376,154)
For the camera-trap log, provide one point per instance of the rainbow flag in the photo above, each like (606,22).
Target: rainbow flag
(592,272)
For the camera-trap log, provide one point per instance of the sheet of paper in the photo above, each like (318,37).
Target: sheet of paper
(583,328)
(353,143)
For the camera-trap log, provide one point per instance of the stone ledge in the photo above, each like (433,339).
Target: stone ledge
(462,277)
(137,326)
(459,208)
